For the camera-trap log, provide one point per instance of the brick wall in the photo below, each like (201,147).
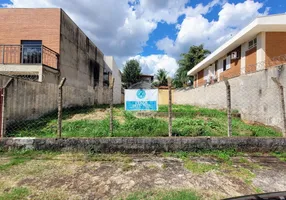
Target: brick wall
(275,46)
(201,80)
(234,66)
(30,24)
(250,60)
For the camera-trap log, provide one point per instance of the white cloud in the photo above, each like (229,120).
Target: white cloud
(112,25)
(150,64)
(196,30)
(122,30)
(161,10)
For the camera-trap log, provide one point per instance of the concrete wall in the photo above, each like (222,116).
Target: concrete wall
(146,145)
(49,75)
(26,100)
(76,53)
(117,76)
(254,95)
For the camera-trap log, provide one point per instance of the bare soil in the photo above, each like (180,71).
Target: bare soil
(78,176)
(98,114)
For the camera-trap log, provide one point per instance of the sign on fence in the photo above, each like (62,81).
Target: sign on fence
(140,99)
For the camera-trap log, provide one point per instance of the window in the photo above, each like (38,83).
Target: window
(252,43)
(216,66)
(31,51)
(106,77)
(224,64)
(96,73)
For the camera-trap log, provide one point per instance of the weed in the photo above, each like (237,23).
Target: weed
(243,160)
(239,172)
(142,127)
(199,168)
(280,155)
(127,167)
(15,194)
(164,195)
(258,190)
(21,156)
(87,128)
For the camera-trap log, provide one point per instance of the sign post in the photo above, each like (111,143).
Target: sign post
(141,99)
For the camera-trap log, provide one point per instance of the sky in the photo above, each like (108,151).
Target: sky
(156,32)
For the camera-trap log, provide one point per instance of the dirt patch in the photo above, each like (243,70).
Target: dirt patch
(81,176)
(273,176)
(4,160)
(99,114)
(96,114)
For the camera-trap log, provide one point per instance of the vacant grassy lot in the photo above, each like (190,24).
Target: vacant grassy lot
(169,176)
(94,122)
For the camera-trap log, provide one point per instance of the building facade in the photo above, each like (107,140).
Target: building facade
(116,74)
(259,46)
(46,45)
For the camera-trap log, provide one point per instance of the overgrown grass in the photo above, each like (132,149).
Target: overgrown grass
(163,195)
(188,121)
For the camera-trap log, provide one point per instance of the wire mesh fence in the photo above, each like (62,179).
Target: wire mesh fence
(235,104)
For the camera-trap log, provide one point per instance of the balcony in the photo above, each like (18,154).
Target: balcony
(27,61)
(28,55)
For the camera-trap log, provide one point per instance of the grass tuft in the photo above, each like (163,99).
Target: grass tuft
(15,194)
(163,195)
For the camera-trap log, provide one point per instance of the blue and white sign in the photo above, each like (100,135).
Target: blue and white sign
(141,100)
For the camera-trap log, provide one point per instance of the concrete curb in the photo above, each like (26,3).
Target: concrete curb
(146,145)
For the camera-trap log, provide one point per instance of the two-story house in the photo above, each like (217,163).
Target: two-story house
(256,47)
(44,44)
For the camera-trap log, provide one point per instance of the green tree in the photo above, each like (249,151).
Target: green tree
(188,61)
(161,77)
(131,73)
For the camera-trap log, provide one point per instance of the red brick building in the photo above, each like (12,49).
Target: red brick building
(45,44)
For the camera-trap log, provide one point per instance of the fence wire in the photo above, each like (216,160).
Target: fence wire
(230,101)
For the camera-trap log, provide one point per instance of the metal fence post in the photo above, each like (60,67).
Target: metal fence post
(170,106)
(281,88)
(111,107)
(228,100)
(60,107)
(4,105)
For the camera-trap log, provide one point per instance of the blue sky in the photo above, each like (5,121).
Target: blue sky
(164,29)
(156,32)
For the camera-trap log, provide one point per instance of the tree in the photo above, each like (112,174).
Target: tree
(131,73)
(161,77)
(188,61)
